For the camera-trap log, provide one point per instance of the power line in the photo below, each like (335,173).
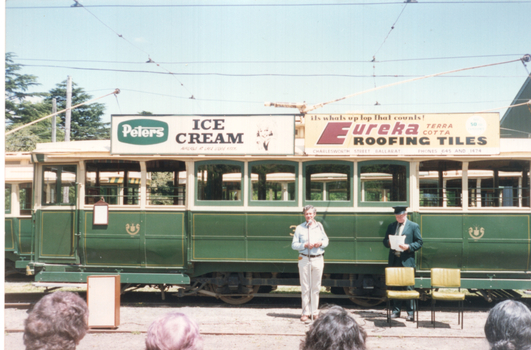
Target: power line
(77,4)
(275,5)
(264,74)
(278,62)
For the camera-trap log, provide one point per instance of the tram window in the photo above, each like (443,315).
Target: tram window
(59,185)
(25,194)
(166,182)
(219,181)
(116,183)
(440,183)
(383,182)
(328,181)
(7,199)
(498,183)
(273,182)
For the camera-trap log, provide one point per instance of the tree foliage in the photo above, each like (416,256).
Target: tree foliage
(85,121)
(18,108)
(23,107)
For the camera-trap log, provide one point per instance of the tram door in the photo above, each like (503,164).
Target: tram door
(57,220)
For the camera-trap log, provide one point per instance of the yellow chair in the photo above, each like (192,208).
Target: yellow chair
(401,277)
(447,278)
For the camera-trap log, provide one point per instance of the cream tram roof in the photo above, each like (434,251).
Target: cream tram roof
(18,168)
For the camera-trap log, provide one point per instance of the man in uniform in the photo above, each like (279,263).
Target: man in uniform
(412,242)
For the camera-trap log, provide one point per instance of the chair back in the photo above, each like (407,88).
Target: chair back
(446,278)
(399,276)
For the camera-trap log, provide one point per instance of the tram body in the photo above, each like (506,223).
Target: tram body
(222,225)
(18,208)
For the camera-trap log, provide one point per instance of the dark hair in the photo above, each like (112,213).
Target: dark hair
(174,331)
(57,322)
(334,329)
(508,326)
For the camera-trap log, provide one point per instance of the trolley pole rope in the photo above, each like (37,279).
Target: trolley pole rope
(115,92)
(303,108)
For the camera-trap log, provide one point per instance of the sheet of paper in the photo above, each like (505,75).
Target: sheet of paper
(395,241)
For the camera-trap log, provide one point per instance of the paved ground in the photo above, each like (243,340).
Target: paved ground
(228,327)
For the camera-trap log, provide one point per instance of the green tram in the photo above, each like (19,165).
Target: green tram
(18,209)
(221,225)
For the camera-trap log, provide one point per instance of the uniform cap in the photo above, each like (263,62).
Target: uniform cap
(400,210)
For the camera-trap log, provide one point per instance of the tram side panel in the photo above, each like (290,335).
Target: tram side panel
(355,239)
(56,236)
(136,239)
(241,237)
(497,242)
(443,243)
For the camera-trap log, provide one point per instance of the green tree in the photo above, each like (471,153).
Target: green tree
(86,121)
(18,108)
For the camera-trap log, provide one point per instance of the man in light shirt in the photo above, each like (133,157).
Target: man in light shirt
(310,239)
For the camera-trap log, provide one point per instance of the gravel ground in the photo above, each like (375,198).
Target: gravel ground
(242,327)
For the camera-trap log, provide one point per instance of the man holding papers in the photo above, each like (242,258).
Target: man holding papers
(403,238)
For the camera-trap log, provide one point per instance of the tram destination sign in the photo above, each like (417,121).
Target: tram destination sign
(214,135)
(402,134)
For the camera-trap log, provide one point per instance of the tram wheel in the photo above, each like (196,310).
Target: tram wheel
(240,299)
(364,299)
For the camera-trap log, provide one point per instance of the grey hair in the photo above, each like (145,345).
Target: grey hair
(174,331)
(508,326)
(57,322)
(309,207)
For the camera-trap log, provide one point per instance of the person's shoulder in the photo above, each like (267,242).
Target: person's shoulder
(413,223)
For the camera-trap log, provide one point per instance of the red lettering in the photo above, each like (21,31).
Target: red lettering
(334,133)
(384,129)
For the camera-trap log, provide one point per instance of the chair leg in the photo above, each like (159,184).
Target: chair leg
(433,312)
(462,312)
(417,310)
(389,312)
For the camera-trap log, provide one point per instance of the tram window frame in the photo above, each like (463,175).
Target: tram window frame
(58,185)
(383,204)
(114,193)
(274,203)
(178,190)
(25,196)
(217,202)
(7,198)
(328,203)
(444,193)
(497,174)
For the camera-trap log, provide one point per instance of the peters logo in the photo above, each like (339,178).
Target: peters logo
(142,132)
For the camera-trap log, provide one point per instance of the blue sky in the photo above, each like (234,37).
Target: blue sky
(234,58)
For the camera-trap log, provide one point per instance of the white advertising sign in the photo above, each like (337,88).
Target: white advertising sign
(214,135)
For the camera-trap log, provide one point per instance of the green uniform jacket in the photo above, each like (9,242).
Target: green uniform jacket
(413,238)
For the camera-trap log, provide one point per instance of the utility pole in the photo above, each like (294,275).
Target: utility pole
(68,115)
(54,122)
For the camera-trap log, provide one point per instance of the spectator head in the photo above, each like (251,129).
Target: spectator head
(58,321)
(174,331)
(334,329)
(508,326)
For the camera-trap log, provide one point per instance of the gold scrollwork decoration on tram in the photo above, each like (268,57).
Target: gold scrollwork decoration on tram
(475,232)
(132,229)
(293,228)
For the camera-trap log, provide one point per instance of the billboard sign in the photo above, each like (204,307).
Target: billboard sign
(402,134)
(214,135)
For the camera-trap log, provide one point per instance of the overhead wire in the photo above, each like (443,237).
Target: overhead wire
(78,4)
(385,39)
(259,74)
(277,62)
(278,4)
